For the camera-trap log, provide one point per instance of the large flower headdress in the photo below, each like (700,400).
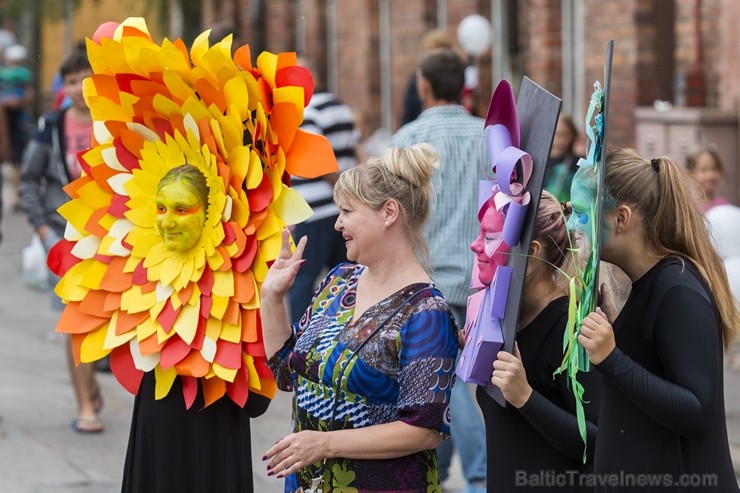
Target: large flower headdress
(191,314)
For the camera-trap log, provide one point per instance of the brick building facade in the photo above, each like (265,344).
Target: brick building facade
(661,46)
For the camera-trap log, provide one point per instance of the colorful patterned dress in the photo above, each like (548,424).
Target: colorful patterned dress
(404,372)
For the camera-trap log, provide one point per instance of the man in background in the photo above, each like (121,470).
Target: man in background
(455,134)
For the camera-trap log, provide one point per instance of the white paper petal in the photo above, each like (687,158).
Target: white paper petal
(149,135)
(86,247)
(117,248)
(118,182)
(208,351)
(71,233)
(226,216)
(101,133)
(143,363)
(110,158)
(163,292)
(189,124)
(121,228)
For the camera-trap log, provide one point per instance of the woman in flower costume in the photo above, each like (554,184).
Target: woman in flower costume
(171,230)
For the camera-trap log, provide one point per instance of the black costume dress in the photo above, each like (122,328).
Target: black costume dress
(196,450)
(663,411)
(537,447)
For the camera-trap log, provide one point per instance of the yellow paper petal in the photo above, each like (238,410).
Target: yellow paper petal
(231,332)
(291,207)
(219,306)
(145,329)
(111,339)
(92,346)
(187,322)
(213,328)
(252,375)
(164,379)
(223,284)
(94,275)
(224,373)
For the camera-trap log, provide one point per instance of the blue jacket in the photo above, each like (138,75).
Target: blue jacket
(45,173)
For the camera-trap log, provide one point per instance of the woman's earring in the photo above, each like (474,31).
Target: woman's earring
(386,223)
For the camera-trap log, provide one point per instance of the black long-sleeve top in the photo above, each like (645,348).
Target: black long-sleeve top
(534,447)
(662,410)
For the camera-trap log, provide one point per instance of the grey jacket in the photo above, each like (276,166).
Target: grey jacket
(45,173)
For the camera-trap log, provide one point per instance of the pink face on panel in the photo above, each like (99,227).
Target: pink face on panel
(489,247)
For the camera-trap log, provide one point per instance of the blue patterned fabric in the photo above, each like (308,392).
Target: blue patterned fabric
(404,372)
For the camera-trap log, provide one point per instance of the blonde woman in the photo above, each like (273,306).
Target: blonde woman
(371,361)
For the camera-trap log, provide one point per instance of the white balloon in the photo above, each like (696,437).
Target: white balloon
(732,266)
(724,227)
(474,34)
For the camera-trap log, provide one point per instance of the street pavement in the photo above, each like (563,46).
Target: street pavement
(39,452)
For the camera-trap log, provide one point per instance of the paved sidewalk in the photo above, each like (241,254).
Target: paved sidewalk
(39,453)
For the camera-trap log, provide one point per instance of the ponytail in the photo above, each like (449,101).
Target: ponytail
(673,223)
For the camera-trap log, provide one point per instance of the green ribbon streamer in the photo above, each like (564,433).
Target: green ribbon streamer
(581,286)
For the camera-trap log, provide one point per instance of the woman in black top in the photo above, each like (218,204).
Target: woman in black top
(534,441)
(662,420)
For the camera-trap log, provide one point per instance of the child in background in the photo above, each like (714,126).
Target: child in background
(705,169)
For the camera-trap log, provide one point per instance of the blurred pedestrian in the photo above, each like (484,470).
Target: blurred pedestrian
(455,134)
(16,95)
(704,167)
(412,106)
(563,160)
(50,163)
(325,115)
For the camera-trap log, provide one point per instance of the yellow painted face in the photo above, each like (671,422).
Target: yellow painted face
(180,216)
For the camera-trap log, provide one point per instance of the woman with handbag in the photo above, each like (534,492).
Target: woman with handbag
(372,360)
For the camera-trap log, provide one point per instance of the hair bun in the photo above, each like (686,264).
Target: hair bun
(415,164)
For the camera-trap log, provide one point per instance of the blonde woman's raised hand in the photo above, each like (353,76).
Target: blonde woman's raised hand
(282,273)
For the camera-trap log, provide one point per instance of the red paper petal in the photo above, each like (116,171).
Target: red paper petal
(260,197)
(229,234)
(206,303)
(228,354)
(60,258)
(125,157)
(238,390)
(205,283)
(173,352)
(139,275)
(189,390)
(122,366)
(167,316)
(244,262)
(296,76)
